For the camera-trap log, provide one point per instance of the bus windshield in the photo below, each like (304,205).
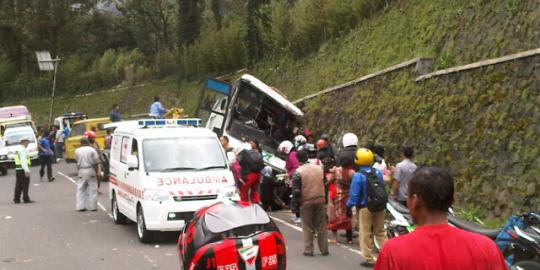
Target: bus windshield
(257,116)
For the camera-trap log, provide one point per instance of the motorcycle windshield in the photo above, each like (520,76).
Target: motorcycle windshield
(222,218)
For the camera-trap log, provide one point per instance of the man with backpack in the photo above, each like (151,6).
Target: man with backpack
(252,163)
(368,194)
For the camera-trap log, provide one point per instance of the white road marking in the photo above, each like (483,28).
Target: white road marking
(298,228)
(74,182)
(294,227)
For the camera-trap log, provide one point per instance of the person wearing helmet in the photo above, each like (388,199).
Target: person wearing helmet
(22,172)
(299,142)
(309,194)
(323,152)
(345,157)
(46,155)
(326,137)
(362,181)
(291,164)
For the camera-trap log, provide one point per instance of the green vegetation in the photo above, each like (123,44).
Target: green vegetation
(132,100)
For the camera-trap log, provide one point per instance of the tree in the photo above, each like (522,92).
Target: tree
(257,20)
(150,22)
(216,10)
(189,21)
(29,25)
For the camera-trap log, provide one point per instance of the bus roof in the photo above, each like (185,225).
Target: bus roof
(273,94)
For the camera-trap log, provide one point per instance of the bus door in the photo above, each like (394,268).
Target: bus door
(213,105)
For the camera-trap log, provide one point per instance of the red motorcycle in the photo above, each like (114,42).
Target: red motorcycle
(231,236)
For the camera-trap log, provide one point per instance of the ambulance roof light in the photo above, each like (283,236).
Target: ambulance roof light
(195,122)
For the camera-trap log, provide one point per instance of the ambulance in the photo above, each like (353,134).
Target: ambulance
(163,170)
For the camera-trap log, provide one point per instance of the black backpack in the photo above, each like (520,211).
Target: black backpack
(251,161)
(376,193)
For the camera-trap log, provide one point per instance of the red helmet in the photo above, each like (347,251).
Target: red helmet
(321,144)
(89,134)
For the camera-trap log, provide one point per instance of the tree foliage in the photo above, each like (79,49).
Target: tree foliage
(189,21)
(193,38)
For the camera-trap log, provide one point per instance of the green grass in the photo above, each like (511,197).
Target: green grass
(132,100)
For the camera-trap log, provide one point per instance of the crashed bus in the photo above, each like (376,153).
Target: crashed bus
(250,109)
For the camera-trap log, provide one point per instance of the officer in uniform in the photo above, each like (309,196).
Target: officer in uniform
(22,172)
(88,167)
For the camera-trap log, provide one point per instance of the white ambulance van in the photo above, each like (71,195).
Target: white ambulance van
(163,170)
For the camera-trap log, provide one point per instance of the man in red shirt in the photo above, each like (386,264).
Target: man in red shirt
(435,245)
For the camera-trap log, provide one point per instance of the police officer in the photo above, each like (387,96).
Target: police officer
(22,171)
(88,167)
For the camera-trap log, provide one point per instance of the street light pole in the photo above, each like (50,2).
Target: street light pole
(53,89)
(45,63)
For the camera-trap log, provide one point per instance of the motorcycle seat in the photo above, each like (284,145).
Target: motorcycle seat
(472,227)
(399,207)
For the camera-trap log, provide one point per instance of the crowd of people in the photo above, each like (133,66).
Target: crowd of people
(327,190)
(51,149)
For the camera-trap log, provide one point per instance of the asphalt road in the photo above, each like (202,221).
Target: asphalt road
(50,234)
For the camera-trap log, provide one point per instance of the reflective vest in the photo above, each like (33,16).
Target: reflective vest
(18,163)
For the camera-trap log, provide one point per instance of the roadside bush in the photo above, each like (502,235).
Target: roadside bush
(215,52)
(7,69)
(110,69)
(317,21)
(166,62)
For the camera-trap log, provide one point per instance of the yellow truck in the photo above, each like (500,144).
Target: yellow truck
(74,139)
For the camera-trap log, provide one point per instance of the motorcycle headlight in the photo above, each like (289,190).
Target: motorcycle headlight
(156,195)
(3,157)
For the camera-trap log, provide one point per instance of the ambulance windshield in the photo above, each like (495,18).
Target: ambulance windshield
(183,154)
(15,138)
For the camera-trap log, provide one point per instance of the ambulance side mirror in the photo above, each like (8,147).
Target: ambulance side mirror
(132,162)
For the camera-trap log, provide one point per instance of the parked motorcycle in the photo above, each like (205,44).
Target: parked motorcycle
(398,221)
(518,239)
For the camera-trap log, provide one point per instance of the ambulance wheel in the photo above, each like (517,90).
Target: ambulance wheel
(144,235)
(117,216)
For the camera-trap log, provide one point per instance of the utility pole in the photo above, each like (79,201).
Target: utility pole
(47,64)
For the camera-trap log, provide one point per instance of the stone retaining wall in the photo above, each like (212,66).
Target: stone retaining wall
(481,121)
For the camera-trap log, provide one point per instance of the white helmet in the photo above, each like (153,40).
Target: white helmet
(285,147)
(350,139)
(299,140)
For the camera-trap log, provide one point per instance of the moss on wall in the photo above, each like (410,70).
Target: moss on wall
(483,125)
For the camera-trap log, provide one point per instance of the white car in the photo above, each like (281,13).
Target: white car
(162,171)
(12,140)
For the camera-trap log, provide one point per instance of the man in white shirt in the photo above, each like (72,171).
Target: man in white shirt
(402,175)
(59,144)
(22,172)
(88,166)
